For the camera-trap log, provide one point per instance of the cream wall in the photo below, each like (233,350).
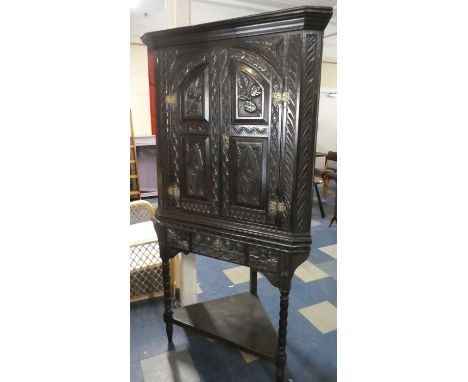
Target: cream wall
(139,88)
(328,73)
(326,133)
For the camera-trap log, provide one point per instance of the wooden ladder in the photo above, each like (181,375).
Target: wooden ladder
(134,180)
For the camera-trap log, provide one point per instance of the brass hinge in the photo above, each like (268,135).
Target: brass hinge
(226,140)
(275,207)
(281,97)
(170,100)
(174,192)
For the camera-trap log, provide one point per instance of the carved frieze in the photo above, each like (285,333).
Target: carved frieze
(272,48)
(250,130)
(263,259)
(220,248)
(178,239)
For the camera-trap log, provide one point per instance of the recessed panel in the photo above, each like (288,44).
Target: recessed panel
(194,96)
(248,162)
(195,166)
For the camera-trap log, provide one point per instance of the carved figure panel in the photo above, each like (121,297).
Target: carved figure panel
(248,159)
(195,157)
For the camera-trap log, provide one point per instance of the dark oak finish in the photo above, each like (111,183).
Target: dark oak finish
(237,105)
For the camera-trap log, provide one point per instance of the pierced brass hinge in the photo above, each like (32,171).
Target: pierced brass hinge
(226,140)
(275,207)
(281,97)
(174,192)
(170,100)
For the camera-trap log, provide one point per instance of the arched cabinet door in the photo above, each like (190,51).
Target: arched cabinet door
(193,99)
(250,130)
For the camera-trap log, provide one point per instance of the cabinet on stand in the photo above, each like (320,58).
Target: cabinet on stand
(237,106)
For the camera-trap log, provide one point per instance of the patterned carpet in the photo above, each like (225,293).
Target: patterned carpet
(312,335)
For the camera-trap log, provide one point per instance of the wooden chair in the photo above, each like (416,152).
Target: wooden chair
(334,175)
(318,180)
(329,169)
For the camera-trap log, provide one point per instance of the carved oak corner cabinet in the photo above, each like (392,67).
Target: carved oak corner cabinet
(237,104)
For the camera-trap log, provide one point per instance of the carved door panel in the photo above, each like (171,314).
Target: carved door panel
(250,126)
(193,96)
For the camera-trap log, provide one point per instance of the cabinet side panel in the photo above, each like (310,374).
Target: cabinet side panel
(162,114)
(289,136)
(310,90)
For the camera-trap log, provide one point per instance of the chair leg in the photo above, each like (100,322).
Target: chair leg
(334,218)
(325,186)
(322,212)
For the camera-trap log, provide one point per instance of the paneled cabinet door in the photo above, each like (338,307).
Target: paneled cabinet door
(250,129)
(193,96)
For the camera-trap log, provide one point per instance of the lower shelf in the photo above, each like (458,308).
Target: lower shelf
(238,320)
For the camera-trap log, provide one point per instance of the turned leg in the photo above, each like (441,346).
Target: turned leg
(253,281)
(283,323)
(167,295)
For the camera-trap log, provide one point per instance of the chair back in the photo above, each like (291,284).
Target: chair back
(141,211)
(332,155)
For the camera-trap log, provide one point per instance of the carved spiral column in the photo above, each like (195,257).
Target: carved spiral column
(282,331)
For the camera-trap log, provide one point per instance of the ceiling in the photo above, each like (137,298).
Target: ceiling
(149,15)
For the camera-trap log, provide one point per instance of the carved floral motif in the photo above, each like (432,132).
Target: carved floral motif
(249,95)
(193,98)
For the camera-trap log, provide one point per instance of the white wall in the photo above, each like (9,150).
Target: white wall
(139,89)
(326,133)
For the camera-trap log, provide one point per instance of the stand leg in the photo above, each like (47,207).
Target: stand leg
(322,212)
(253,281)
(283,323)
(167,294)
